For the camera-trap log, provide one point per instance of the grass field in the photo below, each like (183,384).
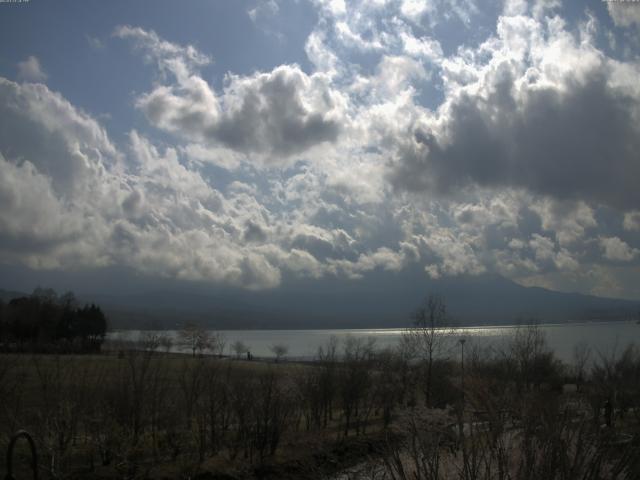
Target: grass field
(136,414)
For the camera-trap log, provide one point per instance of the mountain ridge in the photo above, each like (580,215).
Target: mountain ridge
(383,299)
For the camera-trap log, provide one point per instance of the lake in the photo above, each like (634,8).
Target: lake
(602,337)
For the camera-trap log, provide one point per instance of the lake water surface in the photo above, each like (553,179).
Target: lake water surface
(603,337)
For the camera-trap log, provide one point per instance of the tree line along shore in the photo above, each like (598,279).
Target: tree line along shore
(47,323)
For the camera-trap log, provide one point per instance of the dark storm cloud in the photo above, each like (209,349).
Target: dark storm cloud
(578,142)
(271,116)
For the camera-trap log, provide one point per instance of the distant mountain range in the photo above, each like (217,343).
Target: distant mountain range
(382,299)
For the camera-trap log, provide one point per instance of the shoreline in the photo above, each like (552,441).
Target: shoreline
(388,329)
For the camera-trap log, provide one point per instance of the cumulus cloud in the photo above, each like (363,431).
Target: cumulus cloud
(569,220)
(570,135)
(283,112)
(617,250)
(30,70)
(383,258)
(60,188)
(545,251)
(271,115)
(71,198)
(516,155)
(64,143)
(32,219)
(454,254)
(322,243)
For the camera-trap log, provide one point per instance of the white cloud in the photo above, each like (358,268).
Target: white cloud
(263,8)
(324,60)
(543,247)
(33,219)
(624,14)
(414,9)
(383,258)
(30,70)
(95,43)
(150,209)
(454,253)
(632,220)
(428,48)
(568,220)
(169,58)
(484,182)
(271,115)
(332,7)
(617,250)
(437,11)
(545,251)
(151,212)
(220,156)
(62,142)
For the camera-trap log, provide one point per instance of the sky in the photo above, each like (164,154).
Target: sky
(253,144)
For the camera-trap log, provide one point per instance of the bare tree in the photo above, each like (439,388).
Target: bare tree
(239,348)
(328,360)
(149,341)
(271,411)
(615,378)
(429,336)
(166,342)
(581,358)
(191,380)
(279,350)
(355,381)
(195,338)
(217,344)
(136,386)
(533,360)
(404,354)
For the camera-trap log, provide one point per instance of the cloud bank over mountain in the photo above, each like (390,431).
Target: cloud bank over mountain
(514,150)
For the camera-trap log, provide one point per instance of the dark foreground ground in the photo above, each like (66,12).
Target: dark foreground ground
(377,415)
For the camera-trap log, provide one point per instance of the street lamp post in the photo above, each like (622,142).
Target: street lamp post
(461,409)
(462,342)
